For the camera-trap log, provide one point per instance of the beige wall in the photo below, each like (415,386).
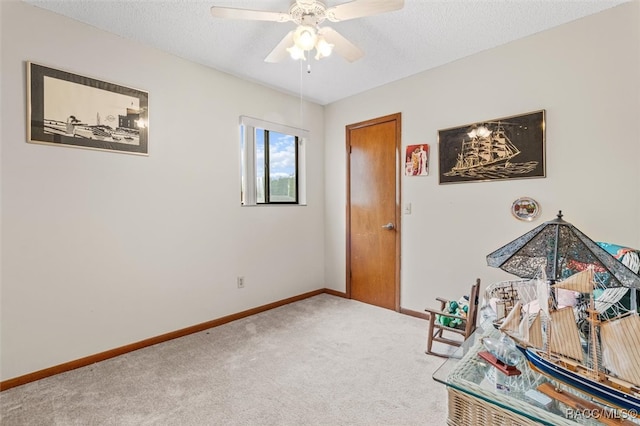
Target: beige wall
(101,249)
(584,74)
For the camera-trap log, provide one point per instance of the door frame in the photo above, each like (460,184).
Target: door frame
(397,117)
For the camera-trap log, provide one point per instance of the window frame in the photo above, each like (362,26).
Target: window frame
(249,187)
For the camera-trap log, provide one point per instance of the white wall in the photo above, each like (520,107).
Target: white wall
(584,74)
(101,249)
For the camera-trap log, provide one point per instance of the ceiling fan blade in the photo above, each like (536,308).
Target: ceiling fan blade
(362,8)
(280,51)
(254,15)
(341,45)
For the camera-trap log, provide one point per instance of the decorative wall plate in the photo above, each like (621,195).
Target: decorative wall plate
(525,208)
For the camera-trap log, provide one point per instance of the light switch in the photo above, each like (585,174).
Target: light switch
(407,208)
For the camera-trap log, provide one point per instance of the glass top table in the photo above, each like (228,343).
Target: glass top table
(468,373)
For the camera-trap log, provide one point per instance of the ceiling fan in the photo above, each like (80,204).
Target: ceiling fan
(308,15)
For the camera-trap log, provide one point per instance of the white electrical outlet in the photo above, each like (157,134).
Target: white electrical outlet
(240,282)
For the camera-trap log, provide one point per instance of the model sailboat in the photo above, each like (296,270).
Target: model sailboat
(609,369)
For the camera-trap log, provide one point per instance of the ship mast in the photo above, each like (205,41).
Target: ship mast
(593,320)
(549,304)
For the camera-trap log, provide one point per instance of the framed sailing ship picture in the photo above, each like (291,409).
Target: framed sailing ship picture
(498,149)
(72,110)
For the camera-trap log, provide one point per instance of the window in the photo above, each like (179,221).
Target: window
(272,163)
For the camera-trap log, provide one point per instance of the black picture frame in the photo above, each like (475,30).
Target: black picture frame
(503,148)
(72,110)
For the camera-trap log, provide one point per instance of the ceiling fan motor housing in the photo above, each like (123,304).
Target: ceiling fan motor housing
(308,12)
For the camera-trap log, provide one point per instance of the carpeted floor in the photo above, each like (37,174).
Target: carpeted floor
(321,361)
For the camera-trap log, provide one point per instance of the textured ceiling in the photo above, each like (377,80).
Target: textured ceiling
(422,35)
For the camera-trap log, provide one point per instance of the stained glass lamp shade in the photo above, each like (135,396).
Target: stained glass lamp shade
(562,250)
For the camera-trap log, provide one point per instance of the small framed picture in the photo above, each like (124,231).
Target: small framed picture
(72,110)
(417,160)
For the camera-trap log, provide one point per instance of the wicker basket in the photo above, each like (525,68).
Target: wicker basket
(465,410)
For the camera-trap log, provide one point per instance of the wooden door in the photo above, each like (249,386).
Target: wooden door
(373,211)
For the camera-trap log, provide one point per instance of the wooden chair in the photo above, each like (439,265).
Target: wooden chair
(467,327)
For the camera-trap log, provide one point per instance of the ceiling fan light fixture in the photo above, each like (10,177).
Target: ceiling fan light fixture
(305,37)
(296,53)
(323,48)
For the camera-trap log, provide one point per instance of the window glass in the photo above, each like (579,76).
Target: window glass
(282,168)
